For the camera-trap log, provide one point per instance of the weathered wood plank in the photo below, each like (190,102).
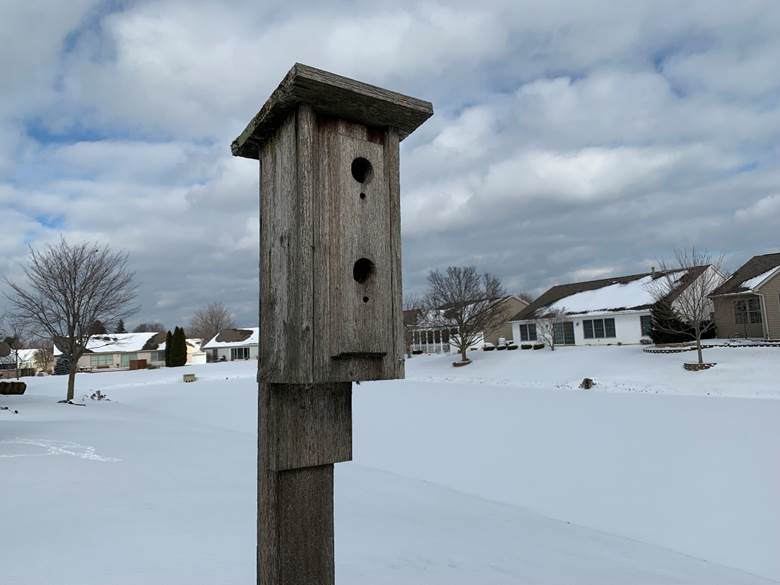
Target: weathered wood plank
(303,270)
(305,527)
(312,425)
(267,500)
(392,176)
(333,95)
(286,262)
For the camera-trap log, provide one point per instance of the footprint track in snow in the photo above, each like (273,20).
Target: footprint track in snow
(50,448)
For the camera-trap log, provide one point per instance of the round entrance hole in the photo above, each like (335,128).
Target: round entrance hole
(361,170)
(362,270)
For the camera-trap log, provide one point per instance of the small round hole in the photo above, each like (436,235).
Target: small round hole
(362,270)
(361,169)
(362,195)
(365,299)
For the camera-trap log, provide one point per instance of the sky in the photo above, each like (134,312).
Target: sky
(571,139)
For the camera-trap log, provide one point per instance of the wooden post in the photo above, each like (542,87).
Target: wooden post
(330,296)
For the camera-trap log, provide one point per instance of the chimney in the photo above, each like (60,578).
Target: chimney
(652,271)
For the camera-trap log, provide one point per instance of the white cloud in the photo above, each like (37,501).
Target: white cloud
(570,139)
(766,209)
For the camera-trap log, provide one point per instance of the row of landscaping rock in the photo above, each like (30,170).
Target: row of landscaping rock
(12,388)
(708,345)
(511,346)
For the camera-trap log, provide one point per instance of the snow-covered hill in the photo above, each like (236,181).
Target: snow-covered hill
(457,477)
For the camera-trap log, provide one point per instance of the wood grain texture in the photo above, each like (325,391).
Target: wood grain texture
(267,500)
(305,527)
(360,229)
(333,95)
(295,506)
(286,239)
(392,170)
(360,332)
(312,425)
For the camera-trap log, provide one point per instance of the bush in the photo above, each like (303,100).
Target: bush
(526,346)
(663,318)
(538,345)
(512,346)
(488,347)
(500,347)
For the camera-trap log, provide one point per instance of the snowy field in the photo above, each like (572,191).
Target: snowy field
(501,472)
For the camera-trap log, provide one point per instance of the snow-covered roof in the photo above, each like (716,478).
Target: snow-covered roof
(119,343)
(752,283)
(751,275)
(194,343)
(623,293)
(620,295)
(238,337)
(25,355)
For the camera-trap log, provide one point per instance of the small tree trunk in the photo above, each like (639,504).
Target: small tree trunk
(698,349)
(463,357)
(71,383)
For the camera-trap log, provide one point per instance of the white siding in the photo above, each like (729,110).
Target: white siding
(224,352)
(628,328)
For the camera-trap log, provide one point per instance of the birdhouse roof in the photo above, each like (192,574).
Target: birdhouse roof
(333,95)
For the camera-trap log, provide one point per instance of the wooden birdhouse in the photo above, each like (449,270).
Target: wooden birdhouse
(330,234)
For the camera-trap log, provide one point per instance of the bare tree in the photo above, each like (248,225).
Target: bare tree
(155,327)
(68,287)
(210,320)
(685,286)
(465,301)
(44,355)
(546,325)
(412,308)
(13,334)
(526,296)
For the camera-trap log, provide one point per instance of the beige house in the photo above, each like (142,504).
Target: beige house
(426,338)
(23,362)
(195,354)
(121,351)
(748,304)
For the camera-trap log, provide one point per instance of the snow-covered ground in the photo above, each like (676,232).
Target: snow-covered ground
(500,472)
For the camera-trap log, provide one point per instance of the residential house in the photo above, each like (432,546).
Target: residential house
(426,336)
(195,353)
(600,312)
(748,303)
(121,351)
(233,344)
(23,360)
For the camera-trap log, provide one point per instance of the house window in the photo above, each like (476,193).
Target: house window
(127,358)
(239,353)
(598,328)
(647,325)
(105,360)
(528,332)
(747,311)
(563,333)
(158,356)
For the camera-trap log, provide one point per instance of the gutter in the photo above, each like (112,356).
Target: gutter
(764,317)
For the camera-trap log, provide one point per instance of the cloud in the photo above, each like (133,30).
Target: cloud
(765,209)
(571,140)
